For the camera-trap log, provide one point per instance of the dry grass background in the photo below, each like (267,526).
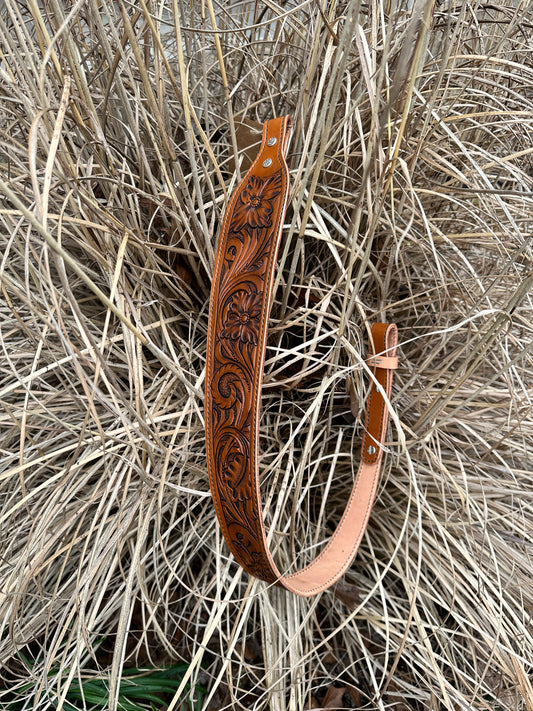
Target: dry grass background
(411,164)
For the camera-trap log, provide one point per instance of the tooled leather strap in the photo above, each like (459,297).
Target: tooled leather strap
(241,296)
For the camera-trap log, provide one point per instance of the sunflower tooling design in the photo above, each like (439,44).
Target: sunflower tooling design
(242,320)
(254,208)
(239,309)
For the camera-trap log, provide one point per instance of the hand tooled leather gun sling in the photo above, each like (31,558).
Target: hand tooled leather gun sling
(240,304)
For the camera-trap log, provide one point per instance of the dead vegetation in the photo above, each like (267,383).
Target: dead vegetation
(123,129)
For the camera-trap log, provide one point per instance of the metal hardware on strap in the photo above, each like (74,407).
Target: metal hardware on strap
(241,296)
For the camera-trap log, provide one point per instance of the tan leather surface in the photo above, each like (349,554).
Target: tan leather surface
(388,362)
(240,303)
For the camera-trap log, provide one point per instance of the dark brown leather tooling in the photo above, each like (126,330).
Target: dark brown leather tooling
(241,296)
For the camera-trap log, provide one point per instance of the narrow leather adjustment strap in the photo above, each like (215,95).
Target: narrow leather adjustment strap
(241,296)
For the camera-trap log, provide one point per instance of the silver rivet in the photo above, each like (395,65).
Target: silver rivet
(271,141)
(370,449)
(267,162)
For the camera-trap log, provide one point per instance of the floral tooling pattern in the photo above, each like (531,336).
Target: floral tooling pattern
(248,248)
(254,208)
(242,320)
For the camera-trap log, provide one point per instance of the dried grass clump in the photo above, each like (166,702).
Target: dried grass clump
(122,127)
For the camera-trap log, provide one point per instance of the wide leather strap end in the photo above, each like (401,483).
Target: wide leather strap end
(241,295)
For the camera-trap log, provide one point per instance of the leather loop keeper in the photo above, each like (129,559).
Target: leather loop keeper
(241,296)
(387,362)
